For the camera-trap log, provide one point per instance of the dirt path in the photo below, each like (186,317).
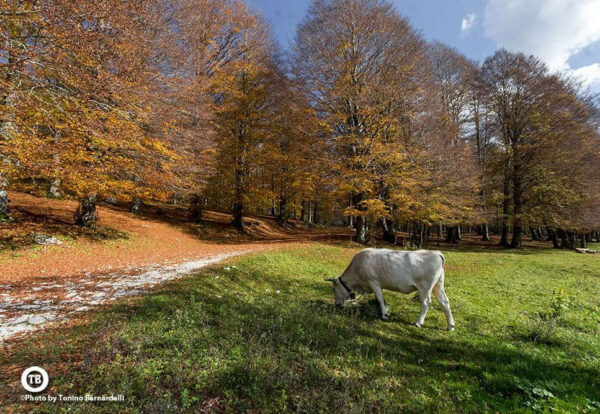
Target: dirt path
(52,283)
(150,242)
(31,306)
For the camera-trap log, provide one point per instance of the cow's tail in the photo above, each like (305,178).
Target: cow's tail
(443,259)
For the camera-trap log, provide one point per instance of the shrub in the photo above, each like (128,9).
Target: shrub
(542,325)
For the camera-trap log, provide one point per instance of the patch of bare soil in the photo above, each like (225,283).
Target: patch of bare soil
(135,242)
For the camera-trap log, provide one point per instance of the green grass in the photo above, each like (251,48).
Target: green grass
(265,337)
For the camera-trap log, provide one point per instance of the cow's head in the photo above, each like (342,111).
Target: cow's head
(342,292)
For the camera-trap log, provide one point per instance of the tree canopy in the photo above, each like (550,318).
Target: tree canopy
(362,123)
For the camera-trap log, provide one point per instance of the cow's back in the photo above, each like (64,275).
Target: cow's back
(397,270)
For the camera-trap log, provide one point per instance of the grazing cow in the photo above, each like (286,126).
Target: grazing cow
(372,270)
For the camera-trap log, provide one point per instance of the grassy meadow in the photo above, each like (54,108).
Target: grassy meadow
(261,334)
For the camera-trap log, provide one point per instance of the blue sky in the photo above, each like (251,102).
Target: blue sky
(563,33)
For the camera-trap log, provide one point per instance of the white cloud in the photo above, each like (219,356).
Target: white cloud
(589,75)
(467,23)
(553,30)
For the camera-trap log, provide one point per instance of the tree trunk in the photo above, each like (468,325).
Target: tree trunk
(415,234)
(54,190)
(390,233)
(450,234)
(505,208)
(4,213)
(534,234)
(564,243)
(517,239)
(196,209)
(420,235)
(238,201)
(504,236)
(572,239)
(567,239)
(453,235)
(175,199)
(541,234)
(361,223)
(552,237)
(582,241)
(8,130)
(284,214)
(136,205)
(86,215)
(362,230)
(238,215)
(303,211)
(485,232)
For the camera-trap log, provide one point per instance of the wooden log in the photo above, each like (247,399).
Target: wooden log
(586,251)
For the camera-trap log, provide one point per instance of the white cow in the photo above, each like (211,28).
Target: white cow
(372,270)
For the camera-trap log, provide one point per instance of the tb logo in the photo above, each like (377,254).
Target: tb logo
(34,379)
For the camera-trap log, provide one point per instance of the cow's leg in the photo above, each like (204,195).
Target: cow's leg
(379,295)
(440,295)
(425,299)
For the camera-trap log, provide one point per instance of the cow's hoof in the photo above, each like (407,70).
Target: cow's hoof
(385,318)
(418,325)
(451,328)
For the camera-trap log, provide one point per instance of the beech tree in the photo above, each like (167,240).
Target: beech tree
(245,102)
(513,84)
(293,159)
(483,134)
(364,80)
(19,29)
(453,74)
(544,126)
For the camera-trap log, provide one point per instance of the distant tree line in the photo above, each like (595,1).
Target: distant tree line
(363,123)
